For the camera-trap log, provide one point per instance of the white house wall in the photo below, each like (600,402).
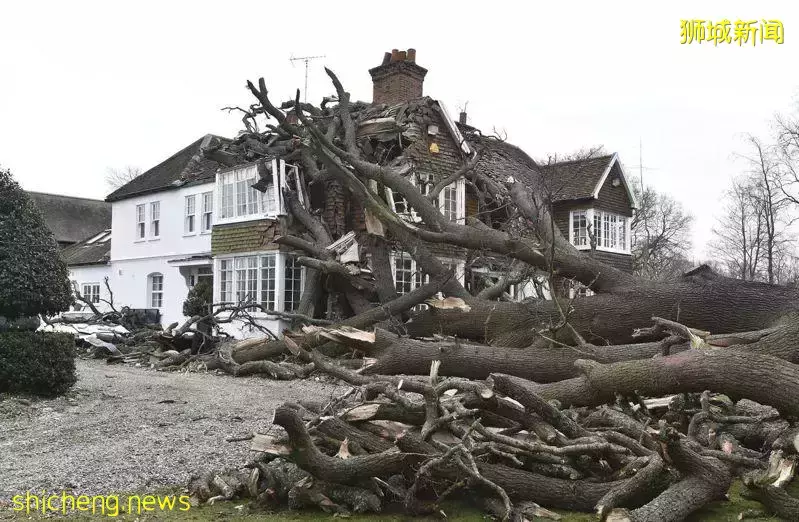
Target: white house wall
(133,260)
(172,240)
(93,274)
(129,281)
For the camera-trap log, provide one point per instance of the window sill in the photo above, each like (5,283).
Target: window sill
(205,233)
(603,249)
(142,240)
(190,234)
(245,219)
(154,239)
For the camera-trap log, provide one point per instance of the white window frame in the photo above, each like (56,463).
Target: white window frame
(141,222)
(153,292)
(91,292)
(418,278)
(155,219)
(425,185)
(207,216)
(270,266)
(268,204)
(590,214)
(190,215)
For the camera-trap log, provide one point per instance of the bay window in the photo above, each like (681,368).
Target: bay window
(272,280)
(610,230)
(239,200)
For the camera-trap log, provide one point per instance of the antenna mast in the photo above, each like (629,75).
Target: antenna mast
(305,59)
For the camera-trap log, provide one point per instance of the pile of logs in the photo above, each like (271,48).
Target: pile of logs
(647,440)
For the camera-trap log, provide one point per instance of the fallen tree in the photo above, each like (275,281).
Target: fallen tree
(572,403)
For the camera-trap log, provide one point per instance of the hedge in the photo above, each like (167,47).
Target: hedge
(40,363)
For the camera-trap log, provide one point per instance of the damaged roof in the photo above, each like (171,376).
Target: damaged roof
(94,250)
(72,219)
(188,165)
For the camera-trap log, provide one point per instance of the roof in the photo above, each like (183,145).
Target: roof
(185,166)
(94,250)
(72,219)
(576,179)
(583,178)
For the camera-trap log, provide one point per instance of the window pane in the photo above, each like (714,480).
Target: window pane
(292,285)
(268,280)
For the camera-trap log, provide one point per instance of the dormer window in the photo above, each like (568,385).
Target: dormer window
(240,201)
(610,230)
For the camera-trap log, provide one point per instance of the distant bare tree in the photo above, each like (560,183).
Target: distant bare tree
(115,178)
(767,182)
(739,234)
(661,236)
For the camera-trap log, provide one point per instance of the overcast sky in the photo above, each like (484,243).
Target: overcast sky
(89,85)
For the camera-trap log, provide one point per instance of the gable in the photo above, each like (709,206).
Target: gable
(613,194)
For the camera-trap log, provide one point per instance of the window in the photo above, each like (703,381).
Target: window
(609,230)
(408,277)
(155,285)
(246,279)
(208,211)
(292,284)
(91,292)
(579,220)
(239,199)
(268,280)
(226,280)
(155,219)
(191,214)
(139,221)
(451,200)
(449,203)
(272,280)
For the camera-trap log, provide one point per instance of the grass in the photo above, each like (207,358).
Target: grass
(239,511)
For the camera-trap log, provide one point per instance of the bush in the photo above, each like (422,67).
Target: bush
(199,300)
(33,278)
(41,363)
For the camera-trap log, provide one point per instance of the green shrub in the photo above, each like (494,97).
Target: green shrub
(33,278)
(41,363)
(199,300)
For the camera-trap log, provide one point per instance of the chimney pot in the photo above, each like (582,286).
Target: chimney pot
(462,118)
(398,79)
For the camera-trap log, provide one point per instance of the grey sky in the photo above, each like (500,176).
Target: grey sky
(90,85)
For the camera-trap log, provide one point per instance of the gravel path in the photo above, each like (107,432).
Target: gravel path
(111,434)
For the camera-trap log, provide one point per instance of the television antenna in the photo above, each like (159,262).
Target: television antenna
(305,59)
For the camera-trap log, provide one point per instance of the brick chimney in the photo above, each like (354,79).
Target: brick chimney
(398,79)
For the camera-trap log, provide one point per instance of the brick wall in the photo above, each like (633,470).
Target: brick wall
(397,82)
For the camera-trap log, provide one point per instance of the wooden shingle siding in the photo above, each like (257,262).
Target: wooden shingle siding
(614,199)
(621,261)
(248,236)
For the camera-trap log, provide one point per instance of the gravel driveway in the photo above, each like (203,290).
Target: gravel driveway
(124,429)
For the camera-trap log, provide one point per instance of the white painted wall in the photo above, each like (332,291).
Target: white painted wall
(133,260)
(129,281)
(94,274)
(172,240)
